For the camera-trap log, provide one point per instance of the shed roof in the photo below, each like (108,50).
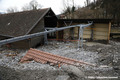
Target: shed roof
(20,23)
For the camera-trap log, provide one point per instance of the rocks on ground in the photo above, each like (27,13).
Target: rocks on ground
(100,54)
(63,77)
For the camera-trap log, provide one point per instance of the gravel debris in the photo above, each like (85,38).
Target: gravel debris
(105,55)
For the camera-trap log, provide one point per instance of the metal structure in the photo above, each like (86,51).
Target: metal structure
(81,34)
(71,30)
(6,41)
(45,38)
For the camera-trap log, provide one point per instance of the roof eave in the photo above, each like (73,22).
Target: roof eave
(37,21)
(6,36)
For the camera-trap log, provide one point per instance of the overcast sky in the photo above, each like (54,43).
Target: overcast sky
(56,5)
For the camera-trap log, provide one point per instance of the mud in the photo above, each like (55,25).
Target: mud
(105,56)
(11,74)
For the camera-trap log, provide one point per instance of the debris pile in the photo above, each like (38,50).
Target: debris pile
(44,57)
(10,53)
(106,57)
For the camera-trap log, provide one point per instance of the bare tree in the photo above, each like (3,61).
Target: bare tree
(33,5)
(94,1)
(87,2)
(84,13)
(68,9)
(12,10)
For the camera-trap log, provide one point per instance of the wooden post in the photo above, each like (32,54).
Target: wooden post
(57,33)
(78,32)
(72,33)
(109,31)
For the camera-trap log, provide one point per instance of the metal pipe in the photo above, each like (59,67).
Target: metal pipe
(81,30)
(2,42)
(45,38)
(79,38)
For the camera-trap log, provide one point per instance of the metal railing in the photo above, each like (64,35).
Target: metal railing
(6,41)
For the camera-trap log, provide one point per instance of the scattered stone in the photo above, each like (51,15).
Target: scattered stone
(116,68)
(63,77)
(73,70)
(99,49)
(104,66)
(87,54)
(101,60)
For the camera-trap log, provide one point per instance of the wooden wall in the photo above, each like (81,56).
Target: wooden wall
(97,31)
(59,34)
(37,40)
(24,44)
(3,37)
(100,32)
(115,32)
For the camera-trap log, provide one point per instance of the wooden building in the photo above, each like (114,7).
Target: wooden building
(100,30)
(26,22)
(115,31)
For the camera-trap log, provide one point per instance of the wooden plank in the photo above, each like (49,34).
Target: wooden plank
(101,25)
(76,30)
(97,29)
(85,29)
(100,38)
(87,36)
(116,30)
(75,35)
(88,32)
(116,36)
(89,28)
(101,29)
(100,33)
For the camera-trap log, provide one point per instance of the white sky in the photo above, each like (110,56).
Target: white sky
(56,5)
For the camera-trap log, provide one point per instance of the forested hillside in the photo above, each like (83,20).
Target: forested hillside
(96,9)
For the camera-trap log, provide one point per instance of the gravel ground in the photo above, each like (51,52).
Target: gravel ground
(96,53)
(69,50)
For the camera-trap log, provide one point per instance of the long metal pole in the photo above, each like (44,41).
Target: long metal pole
(6,41)
(82,37)
(79,38)
(45,38)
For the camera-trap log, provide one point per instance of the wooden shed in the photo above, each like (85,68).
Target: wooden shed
(26,22)
(100,30)
(115,31)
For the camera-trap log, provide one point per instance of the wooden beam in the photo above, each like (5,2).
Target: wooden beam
(109,31)
(57,34)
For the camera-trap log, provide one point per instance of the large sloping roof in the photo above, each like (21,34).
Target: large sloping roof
(20,23)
